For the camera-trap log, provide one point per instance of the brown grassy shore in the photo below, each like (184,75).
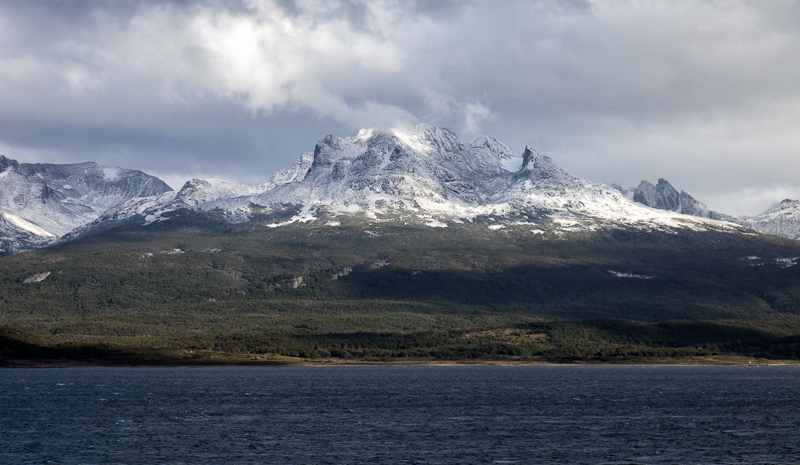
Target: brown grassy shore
(109,357)
(699,343)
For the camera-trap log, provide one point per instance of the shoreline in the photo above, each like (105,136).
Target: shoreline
(267,362)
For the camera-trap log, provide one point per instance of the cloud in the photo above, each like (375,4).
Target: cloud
(475,114)
(273,61)
(261,57)
(752,200)
(613,90)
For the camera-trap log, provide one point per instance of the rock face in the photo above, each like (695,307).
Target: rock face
(36,278)
(427,176)
(662,196)
(41,202)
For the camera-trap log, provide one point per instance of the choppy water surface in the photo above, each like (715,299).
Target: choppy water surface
(400,415)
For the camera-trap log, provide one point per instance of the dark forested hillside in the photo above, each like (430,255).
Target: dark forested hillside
(191,277)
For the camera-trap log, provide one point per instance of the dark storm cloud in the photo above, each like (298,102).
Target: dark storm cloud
(703,93)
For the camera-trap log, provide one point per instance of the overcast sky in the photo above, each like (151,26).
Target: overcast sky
(703,93)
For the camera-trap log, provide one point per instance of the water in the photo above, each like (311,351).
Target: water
(532,415)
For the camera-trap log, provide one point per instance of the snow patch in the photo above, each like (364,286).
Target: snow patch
(630,275)
(786,262)
(306,215)
(435,224)
(26,225)
(413,141)
(512,164)
(111,173)
(173,251)
(365,134)
(153,218)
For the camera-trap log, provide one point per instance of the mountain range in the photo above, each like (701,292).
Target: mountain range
(427,175)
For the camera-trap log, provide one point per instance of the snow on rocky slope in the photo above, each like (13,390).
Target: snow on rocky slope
(783,220)
(41,202)
(427,175)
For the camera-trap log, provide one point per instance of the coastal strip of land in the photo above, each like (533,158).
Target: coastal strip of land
(624,342)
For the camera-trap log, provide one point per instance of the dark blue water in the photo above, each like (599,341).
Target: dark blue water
(533,415)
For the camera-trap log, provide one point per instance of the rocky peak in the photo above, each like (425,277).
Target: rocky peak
(616,186)
(488,144)
(662,196)
(197,191)
(101,186)
(442,139)
(332,149)
(538,167)
(529,157)
(295,172)
(494,154)
(6,163)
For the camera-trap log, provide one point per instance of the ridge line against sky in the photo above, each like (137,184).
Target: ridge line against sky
(702,93)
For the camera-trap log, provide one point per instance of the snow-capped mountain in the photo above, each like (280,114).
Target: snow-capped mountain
(427,175)
(41,202)
(783,220)
(199,194)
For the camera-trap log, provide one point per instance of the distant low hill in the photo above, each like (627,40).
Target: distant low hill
(197,273)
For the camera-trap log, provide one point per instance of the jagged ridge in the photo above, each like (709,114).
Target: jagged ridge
(426,175)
